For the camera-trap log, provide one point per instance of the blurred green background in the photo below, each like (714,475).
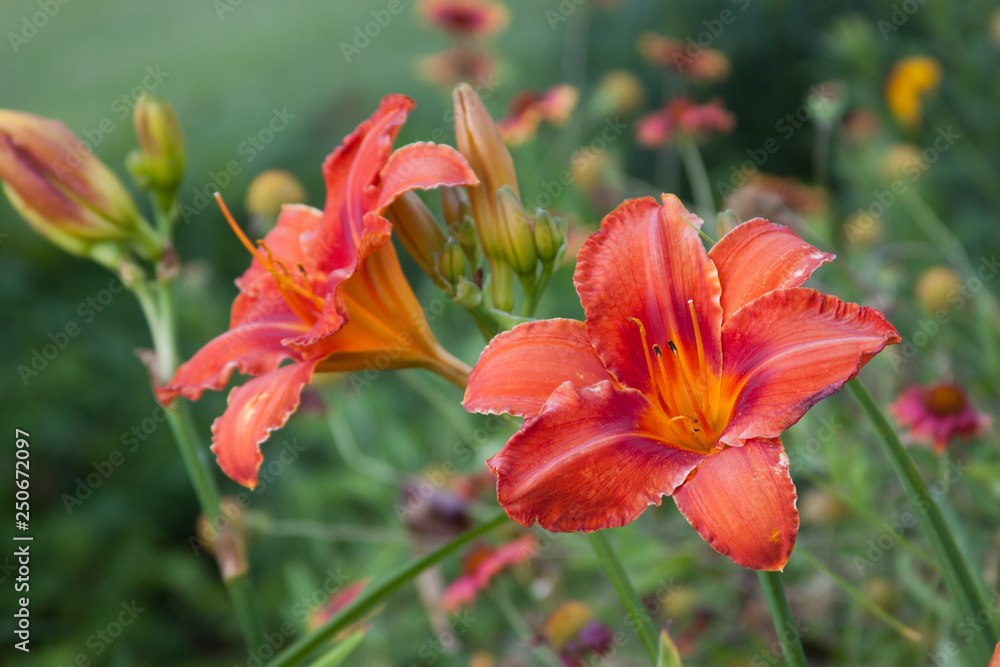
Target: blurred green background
(226,67)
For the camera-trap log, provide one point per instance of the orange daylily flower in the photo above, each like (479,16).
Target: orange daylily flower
(683,117)
(528,110)
(325,291)
(479,18)
(689,366)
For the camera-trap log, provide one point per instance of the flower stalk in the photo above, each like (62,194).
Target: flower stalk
(616,574)
(965,589)
(781,614)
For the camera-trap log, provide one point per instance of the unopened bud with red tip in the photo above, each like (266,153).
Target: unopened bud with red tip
(550,236)
(480,143)
(158,165)
(455,207)
(451,262)
(63,191)
(519,240)
(417,230)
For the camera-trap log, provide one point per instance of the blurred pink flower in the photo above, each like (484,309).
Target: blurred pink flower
(461,64)
(683,116)
(476,18)
(937,413)
(482,565)
(691,60)
(529,109)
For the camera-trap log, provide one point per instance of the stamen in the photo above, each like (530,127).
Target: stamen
(673,348)
(701,348)
(645,348)
(282,277)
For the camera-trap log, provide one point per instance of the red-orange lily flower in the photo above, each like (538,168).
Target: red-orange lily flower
(325,291)
(689,366)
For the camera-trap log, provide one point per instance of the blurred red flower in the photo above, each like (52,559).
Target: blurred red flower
(482,565)
(687,369)
(691,60)
(683,117)
(938,413)
(477,18)
(529,109)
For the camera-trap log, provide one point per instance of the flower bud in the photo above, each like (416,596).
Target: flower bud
(827,101)
(468,294)
(63,191)
(454,207)
(479,142)
(468,238)
(902,159)
(451,262)
(272,189)
(518,236)
(935,285)
(618,92)
(417,230)
(159,163)
(550,235)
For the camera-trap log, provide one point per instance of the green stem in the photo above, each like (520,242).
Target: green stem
(530,296)
(376,593)
(958,574)
(784,625)
(634,608)
(698,175)
(159,312)
(543,280)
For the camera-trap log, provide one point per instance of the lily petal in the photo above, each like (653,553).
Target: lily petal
(423,166)
(758,257)
(647,262)
(789,349)
(375,234)
(581,464)
(254,348)
(254,410)
(350,171)
(521,368)
(741,500)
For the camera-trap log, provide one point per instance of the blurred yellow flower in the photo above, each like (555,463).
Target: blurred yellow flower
(908,81)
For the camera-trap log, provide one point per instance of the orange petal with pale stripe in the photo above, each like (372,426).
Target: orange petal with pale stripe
(741,500)
(252,349)
(260,406)
(758,257)
(583,465)
(521,368)
(789,349)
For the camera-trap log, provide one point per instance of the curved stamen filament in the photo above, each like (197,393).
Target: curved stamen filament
(700,419)
(288,287)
